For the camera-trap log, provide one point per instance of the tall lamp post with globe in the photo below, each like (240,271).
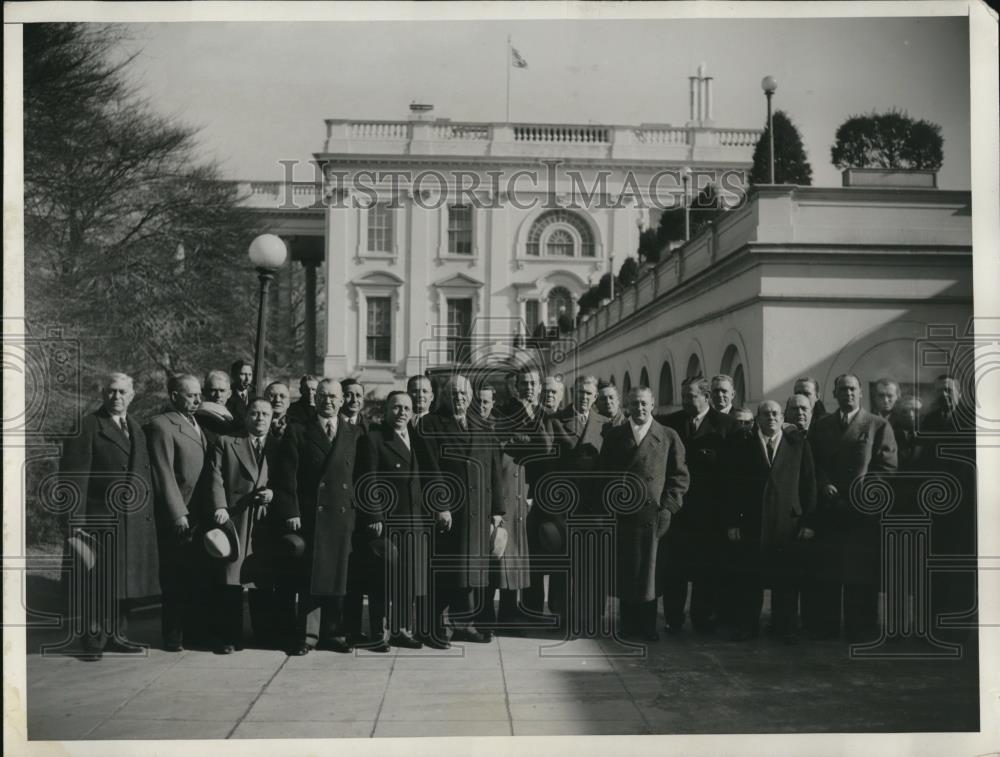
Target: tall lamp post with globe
(267,253)
(769,84)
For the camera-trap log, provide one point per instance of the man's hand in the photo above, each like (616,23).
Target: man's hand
(220,516)
(261,512)
(529,502)
(375,528)
(293,524)
(181,525)
(830,491)
(264,496)
(806,533)
(734,534)
(444,520)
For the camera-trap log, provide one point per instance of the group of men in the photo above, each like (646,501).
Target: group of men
(453,498)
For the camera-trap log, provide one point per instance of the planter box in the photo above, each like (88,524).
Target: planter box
(890,177)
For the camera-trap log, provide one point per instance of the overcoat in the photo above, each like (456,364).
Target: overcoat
(469,462)
(848,539)
(407,472)
(656,477)
(315,482)
(236,477)
(511,571)
(112,475)
(579,448)
(769,503)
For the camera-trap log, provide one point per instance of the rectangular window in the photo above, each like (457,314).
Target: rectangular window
(380,228)
(379,329)
(532,315)
(460,229)
(459,328)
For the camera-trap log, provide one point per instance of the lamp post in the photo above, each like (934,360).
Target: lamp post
(268,254)
(769,84)
(686,176)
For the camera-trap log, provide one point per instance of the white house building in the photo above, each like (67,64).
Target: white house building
(420,232)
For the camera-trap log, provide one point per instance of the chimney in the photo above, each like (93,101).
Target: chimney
(420,111)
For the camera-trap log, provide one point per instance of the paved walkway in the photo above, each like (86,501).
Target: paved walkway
(512,686)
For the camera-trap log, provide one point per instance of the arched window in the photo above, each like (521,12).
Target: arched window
(560,233)
(626,385)
(733,366)
(666,392)
(612,381)
(560,243)
(560,301)
(644,379)
(694,367)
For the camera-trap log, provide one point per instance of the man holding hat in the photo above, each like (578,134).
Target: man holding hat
(178,457)
(108,467)
(241,495)
(314,497)
(394,460)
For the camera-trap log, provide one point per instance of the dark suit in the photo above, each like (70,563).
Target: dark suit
(110,474)
(848,541)
(237,405)
(693,546)
(301,411)
(658,465)
(470,461)
(236,478)
(314,481)
(179,460)
(768,503)
(386,465)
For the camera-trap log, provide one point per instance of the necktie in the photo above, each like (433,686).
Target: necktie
(692,427)
(461,423)
(843,421)
(258,450)
(770,451)
(123,426)
(331,430)
(406,439)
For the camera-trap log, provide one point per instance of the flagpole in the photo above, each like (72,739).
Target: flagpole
(508,78)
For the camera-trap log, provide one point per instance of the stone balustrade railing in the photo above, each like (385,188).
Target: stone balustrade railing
(646,141)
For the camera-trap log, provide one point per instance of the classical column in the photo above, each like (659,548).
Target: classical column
(309,341)
(708,98)
(691,82)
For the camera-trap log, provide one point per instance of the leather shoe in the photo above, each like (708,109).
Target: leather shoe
(651,636)
(90,655)
(381,646)
(404,641)
(176,647)
(472,635)
(124,646)
(741,635)
(298,650)
(338,644)
(673,628)
(435,642)
(358,639)
(225,649)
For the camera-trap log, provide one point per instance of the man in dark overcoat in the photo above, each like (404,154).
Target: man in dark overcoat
(651,458)
(314,497)
(692,547)
(848,444)
(395,469)
(179,461)
(241,493)
(107,466)
(769,498)
(469,459)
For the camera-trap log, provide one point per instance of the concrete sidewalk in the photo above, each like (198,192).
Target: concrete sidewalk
(512,686)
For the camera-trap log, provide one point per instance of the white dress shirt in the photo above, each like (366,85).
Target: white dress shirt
(639,432)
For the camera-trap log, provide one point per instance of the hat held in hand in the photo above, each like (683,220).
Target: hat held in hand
(498,541)
(222,542)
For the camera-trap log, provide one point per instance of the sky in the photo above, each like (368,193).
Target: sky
(260,91)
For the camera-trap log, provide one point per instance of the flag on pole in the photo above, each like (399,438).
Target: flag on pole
(516,59)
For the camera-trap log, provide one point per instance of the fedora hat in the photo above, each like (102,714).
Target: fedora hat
(550,537)
(214,410)
(222,542)
(383,549)
(81,548)
(291,545)
(498,541)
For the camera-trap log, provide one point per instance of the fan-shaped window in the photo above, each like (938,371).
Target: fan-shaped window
(560,301)
(626,384)
(694,367)
(559,243)
(644,379)
(739,387)
(666,385)
(732,365)
(560,233)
